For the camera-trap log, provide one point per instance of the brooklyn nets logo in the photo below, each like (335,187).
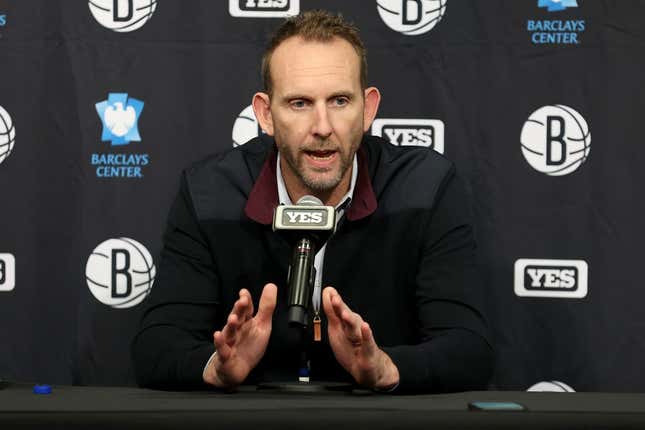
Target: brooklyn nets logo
(120,272)
(245,127)
(411,17)
(555,140)
(122,15)
(7,134)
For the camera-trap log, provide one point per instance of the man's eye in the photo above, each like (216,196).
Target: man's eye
(298,104)
(340,101)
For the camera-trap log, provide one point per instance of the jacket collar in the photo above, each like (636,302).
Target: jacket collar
(263,198)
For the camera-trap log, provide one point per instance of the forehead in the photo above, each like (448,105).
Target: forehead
(298,64)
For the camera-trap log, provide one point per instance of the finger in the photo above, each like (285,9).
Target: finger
(328,307)
(223,350)
(242,305)
(248,314)
(352,326)
(339,305)
(369,344)
(229,331)
(267,303)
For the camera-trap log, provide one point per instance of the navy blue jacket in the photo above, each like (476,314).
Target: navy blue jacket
(403,257)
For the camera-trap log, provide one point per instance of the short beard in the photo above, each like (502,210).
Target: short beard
(317,184)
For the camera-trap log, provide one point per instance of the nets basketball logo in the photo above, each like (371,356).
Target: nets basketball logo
(551,386)
(411,132)
(551,278)
(555,140)
(263,8)
(411,17)
(7,272)
(245,127)
(120,272)
(7,134)
(122,15)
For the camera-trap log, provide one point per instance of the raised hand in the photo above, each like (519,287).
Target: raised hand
(242,342)
(354,347)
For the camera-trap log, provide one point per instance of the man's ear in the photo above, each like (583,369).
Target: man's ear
(262,109)
(372,100)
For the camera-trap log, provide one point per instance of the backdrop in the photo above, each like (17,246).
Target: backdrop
(103,102)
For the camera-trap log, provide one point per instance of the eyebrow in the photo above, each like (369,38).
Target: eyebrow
(342,93)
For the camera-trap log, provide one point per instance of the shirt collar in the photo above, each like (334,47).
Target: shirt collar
(283,195)
(263,197)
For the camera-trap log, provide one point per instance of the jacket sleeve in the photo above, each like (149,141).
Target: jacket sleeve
(454,353)
(175,339)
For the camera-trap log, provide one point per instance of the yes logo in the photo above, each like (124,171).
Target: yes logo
(305,217)
(263,8)
(551,278)
(411,132)
(7,272)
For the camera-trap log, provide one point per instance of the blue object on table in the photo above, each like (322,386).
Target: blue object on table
(42,389)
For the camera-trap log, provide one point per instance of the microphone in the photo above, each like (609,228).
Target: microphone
(307,225)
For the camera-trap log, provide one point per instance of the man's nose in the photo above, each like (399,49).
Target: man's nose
(322,125)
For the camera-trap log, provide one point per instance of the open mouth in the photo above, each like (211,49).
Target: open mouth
(321,155)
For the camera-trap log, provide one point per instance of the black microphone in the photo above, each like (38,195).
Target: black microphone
(307,226)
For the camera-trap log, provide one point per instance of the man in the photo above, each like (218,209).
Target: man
(401,311)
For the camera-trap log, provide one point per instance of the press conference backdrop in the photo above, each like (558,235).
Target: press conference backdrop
(539,103)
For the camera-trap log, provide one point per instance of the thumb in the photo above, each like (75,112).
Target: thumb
(268,300)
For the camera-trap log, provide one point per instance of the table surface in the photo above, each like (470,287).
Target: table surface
(124,407)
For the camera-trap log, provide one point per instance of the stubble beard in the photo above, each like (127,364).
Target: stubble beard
(313,180)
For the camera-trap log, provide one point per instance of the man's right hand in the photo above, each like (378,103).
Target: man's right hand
(242,342)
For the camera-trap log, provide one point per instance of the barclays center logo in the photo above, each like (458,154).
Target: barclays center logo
(411,17)
(556,31)
(557,5)
(119,116)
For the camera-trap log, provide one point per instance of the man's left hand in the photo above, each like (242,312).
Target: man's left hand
(353,344)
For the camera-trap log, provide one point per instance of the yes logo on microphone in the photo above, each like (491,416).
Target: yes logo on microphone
(555,140)
(551,278)
(411,132)
(120,272)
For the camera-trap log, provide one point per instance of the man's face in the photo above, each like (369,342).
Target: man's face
(316,112)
